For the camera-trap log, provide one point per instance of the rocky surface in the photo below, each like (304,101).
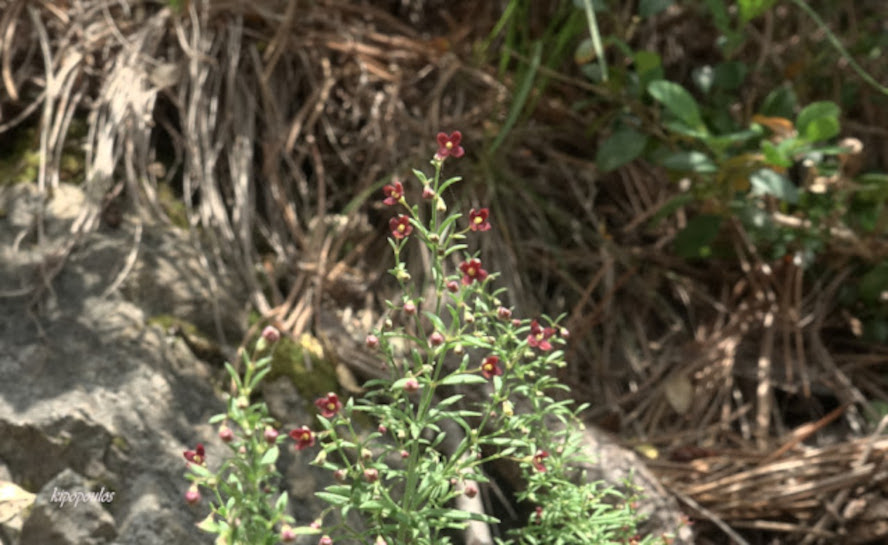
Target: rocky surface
(93,396)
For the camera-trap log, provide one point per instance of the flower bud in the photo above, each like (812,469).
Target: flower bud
(459,350)
(565,333)
(366,454)
(516,323)
(388,323)
(372,341)
(380,541)
(325,540)
(440,205)
(371,475)
(271,334)
(402,275)
(453,286)
(405,454)
(436,339)
(434,238)
(411,385)
(225,434)
(242,450)
(503,313)
(271,435)
(468,317)
(428,193)
(340,475)
(382,429)
(193,495)
(470,491)
(410,308)
(287,534)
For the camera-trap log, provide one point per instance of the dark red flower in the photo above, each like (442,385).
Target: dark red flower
(400,226)
(539,337)
(329,405)
(197,455)
(478,220)
(538,460)
(472,271)
(490,367)
(448,146)
(303,436)
(393,193)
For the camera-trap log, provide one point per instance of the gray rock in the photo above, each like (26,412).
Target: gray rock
(93,396)
(70,512)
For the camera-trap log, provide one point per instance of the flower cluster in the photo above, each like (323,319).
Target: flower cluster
(437,342)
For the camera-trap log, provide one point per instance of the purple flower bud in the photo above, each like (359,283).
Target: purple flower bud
(436,339)
(271,334)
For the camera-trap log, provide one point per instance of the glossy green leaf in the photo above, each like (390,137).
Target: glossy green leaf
(689,161)
(621,147)
(818,121)
(696,238)
(647,8)
(768,182)
(678,101)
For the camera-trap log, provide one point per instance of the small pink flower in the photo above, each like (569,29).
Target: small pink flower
(393,193)
(192,496)
(196,456)
(436,339)
(271,334)
(372,341)
(371,475)
(329,405)
(411,385)
(490,367)
(288,535)
(225,434)
(303,436)
(400,226)
(538,461)
(448,146)
(478,220)
(271,435)
(472,271)
(539,337)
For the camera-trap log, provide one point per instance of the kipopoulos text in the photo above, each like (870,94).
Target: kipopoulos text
(64,497)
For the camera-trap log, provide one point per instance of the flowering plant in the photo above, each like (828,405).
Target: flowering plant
(468,387)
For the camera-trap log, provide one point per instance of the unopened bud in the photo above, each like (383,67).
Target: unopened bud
(371,475)
(225,434)
(434,238)
(366,454)
(428,193)
(436,339)
(382,429)
(372,341)
(409,308)
(271,334)
(193,495)
(503,313)
(470,491)
(459,350)
(271,435)
(411,385)
(453,286)
(340,475)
